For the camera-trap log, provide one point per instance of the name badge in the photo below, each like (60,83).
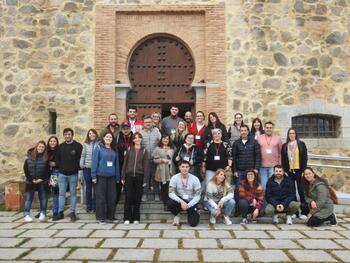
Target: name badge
(173,131)
(124,153)
(198,137)
(187,158)
(109,164)
(185,197)
(268,151)
(217,157)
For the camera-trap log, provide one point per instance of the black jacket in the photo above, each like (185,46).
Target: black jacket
(283,193)
(195,154)
(302,156)
(246,156)
(208,137)
(36,169)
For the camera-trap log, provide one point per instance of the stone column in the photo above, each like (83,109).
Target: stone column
(121,93)
(200,90)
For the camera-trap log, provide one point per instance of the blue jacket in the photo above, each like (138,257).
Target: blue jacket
(105,162)
(283,193)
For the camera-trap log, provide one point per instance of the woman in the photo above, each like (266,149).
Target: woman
(178,137)
(219,197)
(163,158)
(218,155)
(157,120)
(135,166)
(105,174)
(191,153)
(251,196)
(214,123)
(37,172)
(320,198)
(257,128)
(197,129)
(51,157)
(294,162)
(91,142)
(233,131)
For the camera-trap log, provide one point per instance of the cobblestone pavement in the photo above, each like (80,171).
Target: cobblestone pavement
(87,241)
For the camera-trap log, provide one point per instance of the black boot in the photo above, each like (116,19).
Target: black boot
(59,216)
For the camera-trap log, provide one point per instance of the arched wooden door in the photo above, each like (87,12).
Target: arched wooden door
(161,70)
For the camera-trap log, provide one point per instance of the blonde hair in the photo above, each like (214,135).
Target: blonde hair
(225,182)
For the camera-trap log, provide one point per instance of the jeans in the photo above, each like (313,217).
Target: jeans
(90,192)
(208,175)
(264,174)
(43,197)
(63,182)
(55,199)
(226,209)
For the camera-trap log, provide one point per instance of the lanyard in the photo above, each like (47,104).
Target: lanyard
(184,184)
(217,148)
(109,154)
(268,143)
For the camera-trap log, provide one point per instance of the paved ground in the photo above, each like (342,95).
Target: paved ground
(86,241)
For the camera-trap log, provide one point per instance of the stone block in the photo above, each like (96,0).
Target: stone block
(143,233)
(10,241)
(67,225)
(73,233)
(343,255)
(286,234)
(81,242)
(318,244)
(134,254)
(344,233)
(108,233)
(10,232)
(267,256)
(214,234)
(250,234)
(47,253)
(38,233)
(321,234)
(162,227)
(261,227)
(35,226)
(97,226)
(278,244)
(214,255)
(343,242)
(43,242)
(312,256)
(14,193)
(9,225)
(88,253)
(238,243)
(170,255)
(228,227)
(200,243)
(131,226)
(179,234)
(11,253)
(159,243)
(120,243)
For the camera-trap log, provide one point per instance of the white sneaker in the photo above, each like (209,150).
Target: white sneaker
(176,221)
(289,220)
(275,219)
(244,221)
(156,198)
(42,217)
(126,222)
(144,198)
(27,218)
(227,220)
(212,220)
(303,217)
(136,222)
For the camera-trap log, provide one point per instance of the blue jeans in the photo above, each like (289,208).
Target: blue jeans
(208,175)
(264,174)
(90,193)
(63,182)
(43,197)
(240,177)
(227,208)
(55,200)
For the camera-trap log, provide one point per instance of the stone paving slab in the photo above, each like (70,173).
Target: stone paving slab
(214,255)
(344,233)
(11,253)
(35,225)
(73,233)
(67,225)
(10,232)
(88,253)
(43,242)
(267,256)
(238,243)
(131,226)
(294,227)
(318,244)
(9,225)
(108,233)
(228,227)
(162,227)
(343,255)
(120,243)
(250,234)
(170,255)
(214,234)
(198,227)
(179,234)
(38,233)
(143,233)
(98,226)
(134,254)
(261,227)
(343,242)
(10,241)
(278,244)
(311,256)
(200,243)
(8,219)
(159,243)
(321,234)
(47,253)
(288,234)
(8,213)
(81,242)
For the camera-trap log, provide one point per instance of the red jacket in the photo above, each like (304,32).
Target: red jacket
(137,126)
(198,135)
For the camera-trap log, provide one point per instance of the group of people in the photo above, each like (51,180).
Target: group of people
(185,163)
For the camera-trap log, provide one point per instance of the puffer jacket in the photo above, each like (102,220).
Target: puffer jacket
(86,154)
(246,156)
(36,169)
(150,139)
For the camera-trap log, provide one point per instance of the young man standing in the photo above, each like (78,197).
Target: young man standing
(112,127)
(270,147)
(170,123)
(67,161)
(280,196)
(136,125)
(184,195)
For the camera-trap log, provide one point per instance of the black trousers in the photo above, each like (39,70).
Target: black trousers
(296,176)
(192,212)
(119,192)
(244,208)
(164,192)
(315,221)
(106,195)
(133,193)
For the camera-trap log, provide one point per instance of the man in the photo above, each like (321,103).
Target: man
(135,124)
(112,127)
(169,123)
(150,140)
(270,148)
(67,161)
(184,195)
(280,196)
(245,154)
(188,118)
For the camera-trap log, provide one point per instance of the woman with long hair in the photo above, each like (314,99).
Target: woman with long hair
(135,167)
(178,137)
(163,158)
(219,197)
(90,143)
(105,174)
(37,172)
(157,120)
(257,128)
(294,162)
(52,145)
(214,123)
(320,198)
(234,129)
(197,128)
(251,196)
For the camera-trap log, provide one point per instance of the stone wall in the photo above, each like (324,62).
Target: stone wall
(279,52)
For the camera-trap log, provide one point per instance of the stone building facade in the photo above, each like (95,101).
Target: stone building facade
(275,59)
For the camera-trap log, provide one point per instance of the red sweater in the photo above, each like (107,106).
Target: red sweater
(250,193)
(198,135)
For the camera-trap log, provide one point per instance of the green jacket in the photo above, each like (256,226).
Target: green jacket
(320,194)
